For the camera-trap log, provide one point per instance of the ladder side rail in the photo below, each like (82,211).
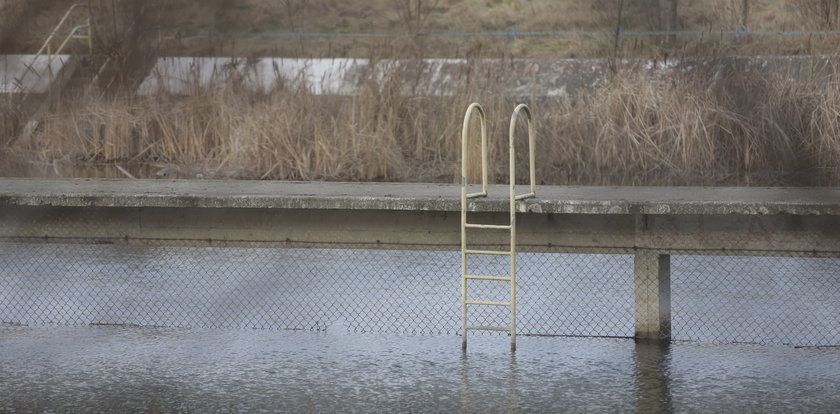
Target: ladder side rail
(98,74)
(521,108)
(512,194)
(72,35)
(464,196)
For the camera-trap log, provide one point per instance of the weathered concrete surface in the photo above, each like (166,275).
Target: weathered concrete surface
(740,221)
(183,75)
(29,73)
(415,197)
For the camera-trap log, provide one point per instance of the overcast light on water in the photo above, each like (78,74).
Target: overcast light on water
(72,369)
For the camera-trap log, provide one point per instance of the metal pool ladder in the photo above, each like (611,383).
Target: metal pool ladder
(511,277)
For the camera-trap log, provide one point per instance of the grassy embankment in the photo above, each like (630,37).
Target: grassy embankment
(31,20)
(447,16)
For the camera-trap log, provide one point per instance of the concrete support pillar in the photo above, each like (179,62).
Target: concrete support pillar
(653,295)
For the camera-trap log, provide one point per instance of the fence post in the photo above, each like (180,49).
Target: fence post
(652,288)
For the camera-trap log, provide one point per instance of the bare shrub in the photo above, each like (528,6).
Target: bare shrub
(640,130)
(823,14)
(729,14)
(822,144)
(414,14)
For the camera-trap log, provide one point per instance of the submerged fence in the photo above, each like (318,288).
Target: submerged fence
(758,267)
(771,300)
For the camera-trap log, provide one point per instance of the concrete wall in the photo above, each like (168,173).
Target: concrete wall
(29,73)
(440,77)
(322,76)
(427,77)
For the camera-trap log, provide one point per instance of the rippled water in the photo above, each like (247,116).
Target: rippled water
(72,369)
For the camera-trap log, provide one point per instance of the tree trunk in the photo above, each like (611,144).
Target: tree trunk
(617,39)
(745,13)
(668,18)
(672,21)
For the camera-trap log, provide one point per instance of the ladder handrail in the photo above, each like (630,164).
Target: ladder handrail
(531,153)
(465,132)
(72,35)
(58,26)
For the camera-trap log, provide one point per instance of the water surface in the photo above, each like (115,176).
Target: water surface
(72,369)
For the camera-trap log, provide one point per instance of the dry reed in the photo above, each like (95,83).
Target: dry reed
(637,129)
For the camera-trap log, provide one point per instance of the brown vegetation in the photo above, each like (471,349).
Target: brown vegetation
(638,129)
(29,21)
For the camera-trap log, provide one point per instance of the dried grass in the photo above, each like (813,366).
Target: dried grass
(638,129)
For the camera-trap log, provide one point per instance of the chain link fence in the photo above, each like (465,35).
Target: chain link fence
(411,290)
(762,299)
(381,291)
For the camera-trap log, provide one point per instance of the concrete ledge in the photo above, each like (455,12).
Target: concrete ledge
(414,197)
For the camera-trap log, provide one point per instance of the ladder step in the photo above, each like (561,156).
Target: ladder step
(525,196)
(481,302)
(493,252)
(488,226)
(487,328)
(476,277)
(477,195)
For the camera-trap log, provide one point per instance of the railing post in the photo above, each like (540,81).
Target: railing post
(652,288)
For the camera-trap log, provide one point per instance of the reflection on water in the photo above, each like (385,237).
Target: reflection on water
(64,369)
(653,388)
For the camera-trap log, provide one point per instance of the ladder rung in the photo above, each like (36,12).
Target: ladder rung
(488,226)
(496,252)
(524,196)
(481,302)
(476,277)
(477,195)
(488,328)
